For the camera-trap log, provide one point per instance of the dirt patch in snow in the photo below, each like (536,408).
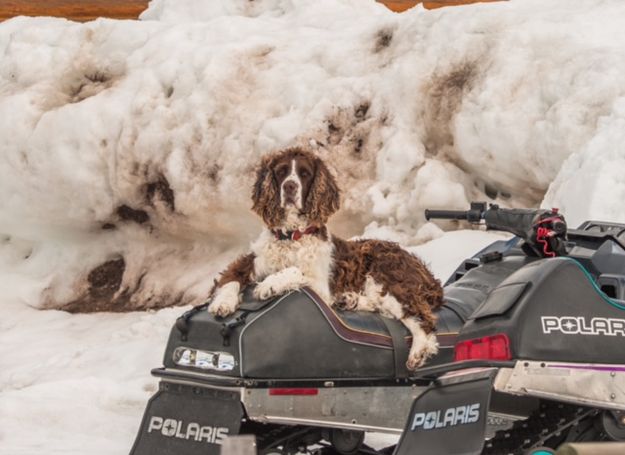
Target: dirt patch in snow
(383,39)
(159,191)
(444,96)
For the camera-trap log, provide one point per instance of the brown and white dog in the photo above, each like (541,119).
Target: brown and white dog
(295,194)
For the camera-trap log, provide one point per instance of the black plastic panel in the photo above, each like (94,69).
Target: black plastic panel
(448,419)
(181,419)
(500,300)
(560,317)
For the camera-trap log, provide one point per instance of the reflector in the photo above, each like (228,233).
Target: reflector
(298,391)
(493,347)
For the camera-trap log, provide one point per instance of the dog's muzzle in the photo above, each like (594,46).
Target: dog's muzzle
(290,190)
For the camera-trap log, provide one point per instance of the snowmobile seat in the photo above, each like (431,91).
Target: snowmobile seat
(381,331)
(297,335)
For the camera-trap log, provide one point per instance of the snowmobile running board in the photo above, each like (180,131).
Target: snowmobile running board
(594,385)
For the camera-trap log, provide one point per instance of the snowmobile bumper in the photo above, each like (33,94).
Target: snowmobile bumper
(194,412)
(333,403)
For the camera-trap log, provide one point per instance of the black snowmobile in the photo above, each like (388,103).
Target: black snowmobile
(530,337)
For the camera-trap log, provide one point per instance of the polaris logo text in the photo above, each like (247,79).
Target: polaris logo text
(580,325)
(450,417)
(173,428)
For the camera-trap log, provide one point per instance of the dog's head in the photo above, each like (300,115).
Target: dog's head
(295,180)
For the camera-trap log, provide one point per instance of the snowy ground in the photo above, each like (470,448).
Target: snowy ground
(127,149)
(78,384)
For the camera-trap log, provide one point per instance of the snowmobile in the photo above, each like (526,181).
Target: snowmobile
(548,338)
(529,357)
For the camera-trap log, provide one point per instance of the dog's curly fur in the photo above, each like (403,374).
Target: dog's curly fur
(295,194)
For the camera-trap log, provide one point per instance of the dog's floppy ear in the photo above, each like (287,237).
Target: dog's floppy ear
(265,194)
(323,198)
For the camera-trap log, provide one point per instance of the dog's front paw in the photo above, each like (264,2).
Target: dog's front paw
(279,283)
(348,301)
(264,290)
(417,357)
(226,300)
(221,309)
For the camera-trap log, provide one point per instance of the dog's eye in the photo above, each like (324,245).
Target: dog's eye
(282,171)
(304,173)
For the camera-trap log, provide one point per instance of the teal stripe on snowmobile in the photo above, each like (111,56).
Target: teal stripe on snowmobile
(620,306)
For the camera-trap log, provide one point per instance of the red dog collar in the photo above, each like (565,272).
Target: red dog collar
(293,235)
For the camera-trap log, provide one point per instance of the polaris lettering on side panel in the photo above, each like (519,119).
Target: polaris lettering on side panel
(443,418)
(173,428)
(580,325)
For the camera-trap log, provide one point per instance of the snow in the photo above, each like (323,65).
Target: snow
(127,150)
(137,140)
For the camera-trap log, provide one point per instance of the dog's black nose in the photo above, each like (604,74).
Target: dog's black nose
(290,187)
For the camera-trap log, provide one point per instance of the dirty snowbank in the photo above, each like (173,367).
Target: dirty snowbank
(128,146)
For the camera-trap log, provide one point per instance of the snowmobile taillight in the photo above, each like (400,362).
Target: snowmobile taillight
(297,391)
(206,360)
(493,347)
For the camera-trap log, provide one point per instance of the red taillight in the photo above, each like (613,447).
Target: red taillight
(494,347)
(282,392)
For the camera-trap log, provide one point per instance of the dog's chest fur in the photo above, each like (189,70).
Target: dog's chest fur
(311,254)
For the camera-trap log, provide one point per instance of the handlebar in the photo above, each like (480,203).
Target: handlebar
(473,215)
(544,231)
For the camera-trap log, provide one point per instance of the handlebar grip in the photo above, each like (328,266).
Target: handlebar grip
(519,222)
(446,214)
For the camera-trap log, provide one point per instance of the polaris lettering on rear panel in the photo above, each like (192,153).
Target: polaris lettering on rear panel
(443,418)
(580,325)
(173,428)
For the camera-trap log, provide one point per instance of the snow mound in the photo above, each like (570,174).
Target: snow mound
(128,147)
